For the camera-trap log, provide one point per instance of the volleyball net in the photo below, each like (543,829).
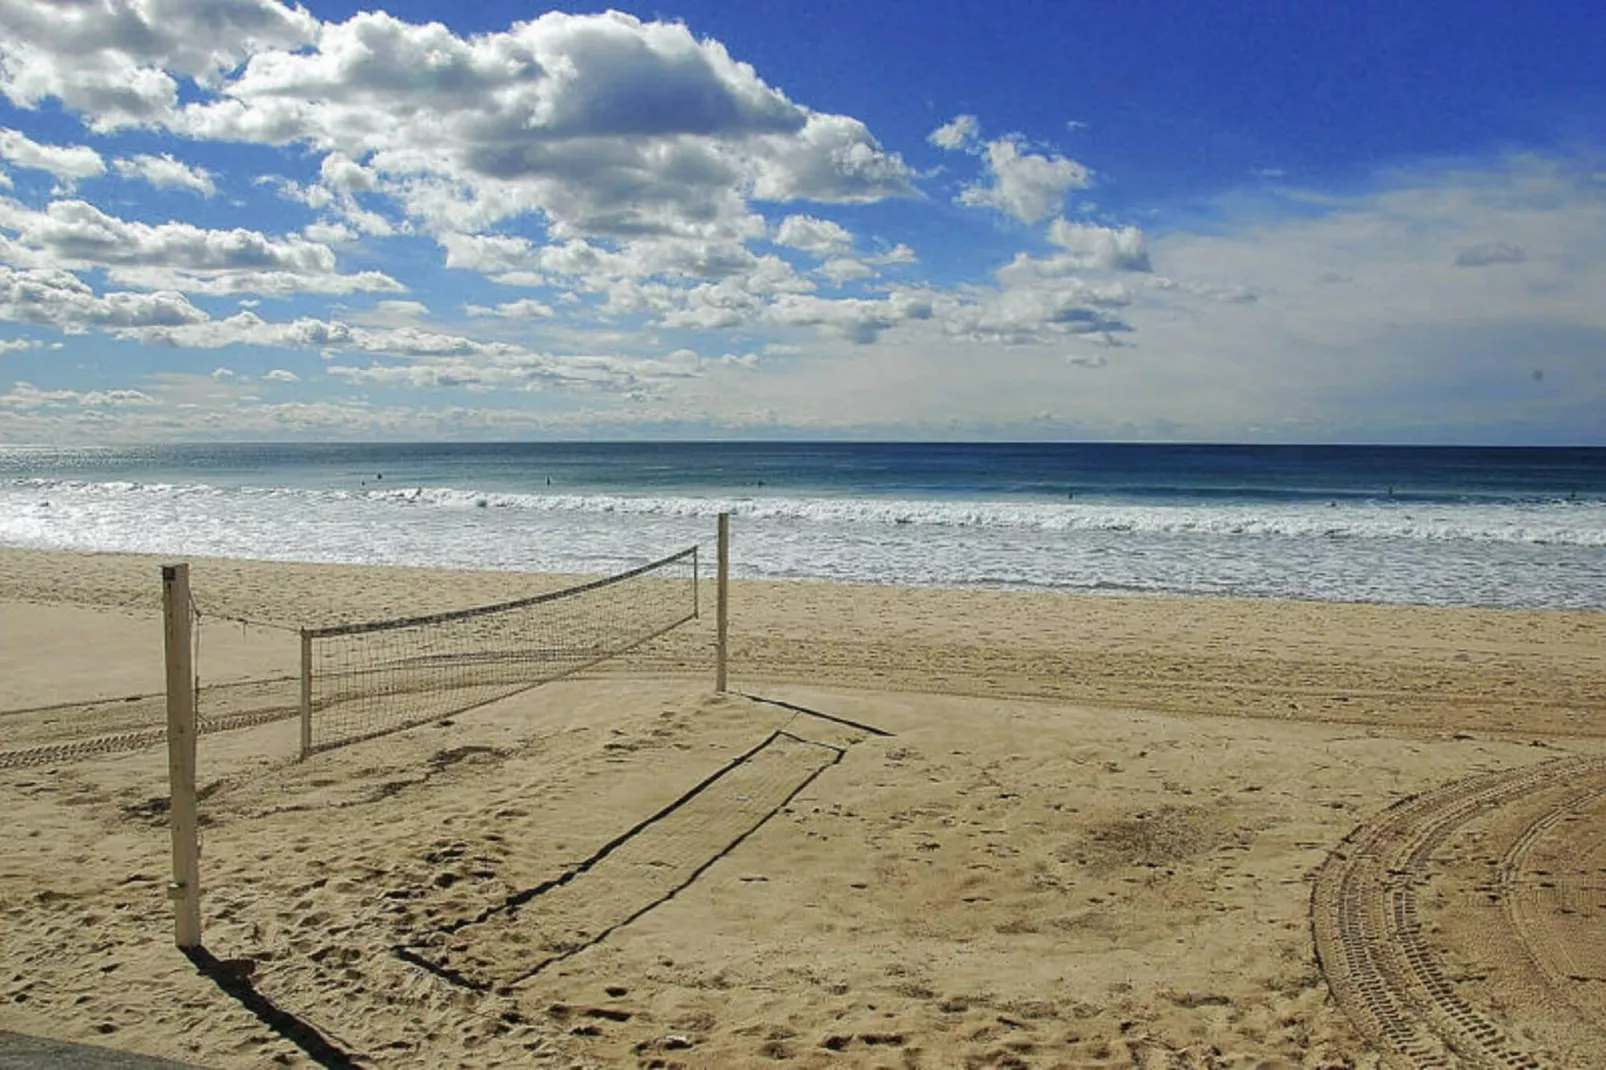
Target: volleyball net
(364,680)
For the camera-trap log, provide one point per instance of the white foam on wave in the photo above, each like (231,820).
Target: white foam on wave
(1518,554)
(1541,523)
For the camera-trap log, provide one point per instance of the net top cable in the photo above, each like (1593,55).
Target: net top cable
(499,607)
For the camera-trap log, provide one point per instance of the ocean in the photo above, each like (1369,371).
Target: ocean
(1427,525)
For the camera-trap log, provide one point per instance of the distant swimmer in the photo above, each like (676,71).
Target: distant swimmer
(1070,495)
(549,481)
(1391,490)
(381,475)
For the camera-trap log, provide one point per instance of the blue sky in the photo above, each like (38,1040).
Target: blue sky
(1319,222)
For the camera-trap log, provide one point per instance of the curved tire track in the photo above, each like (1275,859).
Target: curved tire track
(1369,939)
(1553,891)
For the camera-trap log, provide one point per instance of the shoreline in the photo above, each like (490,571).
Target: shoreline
(20,555)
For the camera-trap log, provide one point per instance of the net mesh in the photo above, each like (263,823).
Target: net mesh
(367,680)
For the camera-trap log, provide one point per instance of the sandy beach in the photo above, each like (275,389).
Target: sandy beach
(926,828)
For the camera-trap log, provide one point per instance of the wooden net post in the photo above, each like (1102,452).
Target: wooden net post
(306,695)
(722,601)
(185,890)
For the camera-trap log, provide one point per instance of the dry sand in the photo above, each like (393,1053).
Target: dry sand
(1059,831)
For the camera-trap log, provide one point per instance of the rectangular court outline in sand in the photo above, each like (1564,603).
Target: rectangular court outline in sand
(644,867)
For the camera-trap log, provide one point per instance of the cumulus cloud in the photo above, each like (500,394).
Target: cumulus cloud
(412,356)
(166,172)
(76,235)
(821,237)
(1088,248)
(280,375)
(1027,185)
(841,269)
(964,132)
(111,59)
(56,298)
(606,124)
(1036,313)
(328,233)
(860,320)
(66,162)
(523,308)
(638,147)
(1104,248)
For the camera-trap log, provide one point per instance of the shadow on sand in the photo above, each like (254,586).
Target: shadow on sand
(233,976)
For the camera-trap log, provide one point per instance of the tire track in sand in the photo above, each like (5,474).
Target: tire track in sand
(1370,941)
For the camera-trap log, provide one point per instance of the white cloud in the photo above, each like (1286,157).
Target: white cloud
(1033,311)
(353,217)
(524,308)
(179,256)
(1104,248)
(57,298)
(1029,186)
(525,370)
(328,233)
(19,345)
(280,375)
(857,319)
(488,254)
(821,237)
(840,269)
(223,375)
(24,395)
(964,132)
(66,162)
(399,309)
(833,158)
(165,172)
(111,59)
(606,124)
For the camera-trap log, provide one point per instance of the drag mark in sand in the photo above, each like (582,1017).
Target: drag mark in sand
(641,869)
(78,749)
(1379,962)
